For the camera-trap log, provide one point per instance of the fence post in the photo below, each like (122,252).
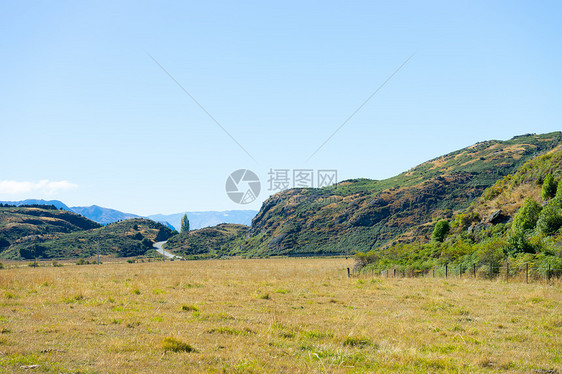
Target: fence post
(474,269)
(491,270)
(460,271)
(433,272)
(348,273)
(527,272)
(507,271)
(394,275)
(548,273)
(446,271)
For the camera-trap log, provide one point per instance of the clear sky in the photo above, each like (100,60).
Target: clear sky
(87,117)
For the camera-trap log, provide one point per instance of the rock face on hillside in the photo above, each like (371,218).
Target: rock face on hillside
(358,215)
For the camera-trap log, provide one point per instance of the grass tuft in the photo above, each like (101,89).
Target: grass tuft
(176,345)
(189,308)
(357,341)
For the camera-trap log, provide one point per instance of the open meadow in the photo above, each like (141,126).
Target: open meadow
(272,316)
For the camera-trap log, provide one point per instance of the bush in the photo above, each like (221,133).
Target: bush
(1,265)
(550,219)
(491,252)
(559,191)
(549,187)
(517,242)
(441,230)
(4,243)
(464,220)
(526,217)
(363,259)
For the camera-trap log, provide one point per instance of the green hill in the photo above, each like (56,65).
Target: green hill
(362,214)
(513,219)
(21,224)
(216,241)
(45,232)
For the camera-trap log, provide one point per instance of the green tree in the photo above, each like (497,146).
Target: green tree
(441,230)
(525,220)
(550,219)
(549,187)
(526,217)
(184,224)
(559,192)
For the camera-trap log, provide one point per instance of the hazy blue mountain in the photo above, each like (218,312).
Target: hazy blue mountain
(102,215)
(199,220)
(58,204)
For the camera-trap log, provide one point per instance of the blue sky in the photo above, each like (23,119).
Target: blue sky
(87,117)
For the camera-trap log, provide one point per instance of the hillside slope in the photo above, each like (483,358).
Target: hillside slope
(46,232)
(513,219)
(20,224)
(361,214)
(216,241)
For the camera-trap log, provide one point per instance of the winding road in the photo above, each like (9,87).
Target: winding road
(162,251)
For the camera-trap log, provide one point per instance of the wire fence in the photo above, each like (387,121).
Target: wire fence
(522,273)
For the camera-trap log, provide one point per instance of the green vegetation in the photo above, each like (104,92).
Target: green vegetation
(208,242)
(17,223)
(526,217)
(441,230)
(549,187)
(506,223)
(362,214)
(184,224)
(175,345)
(550,218)
(43,233)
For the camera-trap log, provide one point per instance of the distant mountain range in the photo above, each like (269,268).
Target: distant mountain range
(56,203)
(104,216)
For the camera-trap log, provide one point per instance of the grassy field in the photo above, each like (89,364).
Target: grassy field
(274,315)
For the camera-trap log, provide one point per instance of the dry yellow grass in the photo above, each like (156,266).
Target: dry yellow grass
(275,315)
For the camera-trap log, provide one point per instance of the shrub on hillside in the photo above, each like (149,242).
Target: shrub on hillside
(441,230)
(363,259)
(559,191)
(550,219)
(549,187)
(526,217)
(464,220)
(4,243)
